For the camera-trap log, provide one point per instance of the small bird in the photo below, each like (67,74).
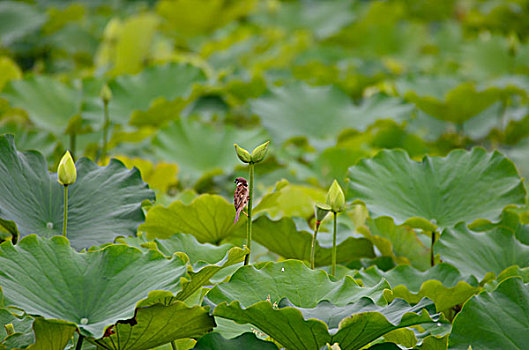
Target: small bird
(241,195)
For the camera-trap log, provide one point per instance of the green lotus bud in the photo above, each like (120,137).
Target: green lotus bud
(106,94)
(66,172)
(243,154)
(259,152)
(321,211)
(335,197)
(9,329)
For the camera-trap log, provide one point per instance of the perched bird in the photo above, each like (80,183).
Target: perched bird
(240,198)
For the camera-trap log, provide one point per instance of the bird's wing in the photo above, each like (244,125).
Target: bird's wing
(240,197)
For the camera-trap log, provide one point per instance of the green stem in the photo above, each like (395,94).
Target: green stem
(333,268)
(105,131)
(313,247)
(79,344)
(432,256)
(173,345)
(249,224)
(65,218)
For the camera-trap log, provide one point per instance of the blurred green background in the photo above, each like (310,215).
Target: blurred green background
(328,82)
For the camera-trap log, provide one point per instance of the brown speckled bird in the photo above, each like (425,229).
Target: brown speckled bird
(240,198)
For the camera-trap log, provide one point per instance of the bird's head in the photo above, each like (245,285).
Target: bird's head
(241,181)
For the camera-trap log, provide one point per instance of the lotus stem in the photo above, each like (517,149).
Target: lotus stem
(79,344)
(173,345)
(65,217)
(313,247)
(105,131)
(249,224)
(333,267)
(432,256)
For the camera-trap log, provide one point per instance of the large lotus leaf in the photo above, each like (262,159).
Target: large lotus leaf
(443,284)
(479,253)
(92,290)
(215,341)
(497,320)
(321,18)
(49,103)
(103,203)
(209,218)
(437,192)
(197,252)
(18,19)
(319,112)
(189,18)
(283,238)
(290,279)
(156,325)
(36,334)
(286,326)
(364,327)
(290,200)
(201,275)
(401,242)
(199,148)
(159,176)
(459,104)
(134,93)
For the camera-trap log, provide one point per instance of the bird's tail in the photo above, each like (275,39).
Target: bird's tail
(237,216)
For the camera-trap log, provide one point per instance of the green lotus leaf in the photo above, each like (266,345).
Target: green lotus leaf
(459,104)
(443,284)
(215,341)
(293,280)
(437,192)
(201,276)
(103,203)
(198,148)
(49,103)
(133,94)
(157,325)
(92,290)
(497,320)
(479,253)
(126,44)
(283,238)
(364,327)
(290,200)
(319,112)
(286,326)
(37,334)
(18,20)
(323,19)
(213,212)
(400,242)
(197,252)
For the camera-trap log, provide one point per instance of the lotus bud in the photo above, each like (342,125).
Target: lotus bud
(67,174)
(106,94)
(335,197)
(9,329)
(259,152)
(243,154)
(321,210)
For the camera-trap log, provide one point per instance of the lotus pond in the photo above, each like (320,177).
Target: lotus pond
(387,211)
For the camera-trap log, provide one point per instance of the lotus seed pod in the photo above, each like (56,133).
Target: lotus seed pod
(321,210)
(335,197)
(106,94)
(66,173)
(259,152)
(243,154)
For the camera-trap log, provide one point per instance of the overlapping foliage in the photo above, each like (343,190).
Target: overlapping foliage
(419,111)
